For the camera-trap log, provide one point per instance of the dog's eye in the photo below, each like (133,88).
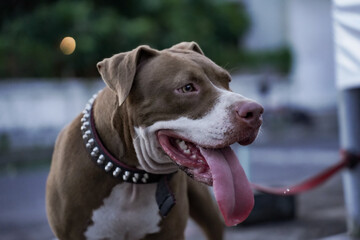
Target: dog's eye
(188,88)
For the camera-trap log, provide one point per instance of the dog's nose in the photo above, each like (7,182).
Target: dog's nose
(249,112)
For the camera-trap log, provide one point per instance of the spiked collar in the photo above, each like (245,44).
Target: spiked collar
(103,158)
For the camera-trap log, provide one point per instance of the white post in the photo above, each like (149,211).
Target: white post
(346,16)
(349,116)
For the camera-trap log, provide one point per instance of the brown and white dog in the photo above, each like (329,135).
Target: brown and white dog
(161,111)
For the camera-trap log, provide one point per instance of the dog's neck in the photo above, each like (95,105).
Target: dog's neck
(114,129)
(103,127)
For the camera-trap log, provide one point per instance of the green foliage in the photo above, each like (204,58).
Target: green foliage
(29,42)
(4,143)
(279,60)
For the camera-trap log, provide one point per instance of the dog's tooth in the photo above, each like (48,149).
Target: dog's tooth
(134,179)
(200,161)
(144,180)
(88,132)
(146,176)
(183,145)
(187,151)
(193,156)
(136,175)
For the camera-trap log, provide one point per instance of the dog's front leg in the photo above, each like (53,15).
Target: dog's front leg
(204,210)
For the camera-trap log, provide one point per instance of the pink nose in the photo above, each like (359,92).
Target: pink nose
(249,112)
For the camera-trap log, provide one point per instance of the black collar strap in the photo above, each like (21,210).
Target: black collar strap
(105,160)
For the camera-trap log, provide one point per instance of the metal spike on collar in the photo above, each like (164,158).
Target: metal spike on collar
(88,107)
(108,166)
(91,141)
(116,171)
(145,178)
(95,151)
(101,159)
(135,177)
(125,178)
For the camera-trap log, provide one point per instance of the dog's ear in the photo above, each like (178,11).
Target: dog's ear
(118,72)
(188,46)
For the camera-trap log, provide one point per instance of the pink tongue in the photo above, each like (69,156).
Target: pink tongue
(231,187)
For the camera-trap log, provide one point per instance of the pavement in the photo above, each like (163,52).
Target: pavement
(320,213)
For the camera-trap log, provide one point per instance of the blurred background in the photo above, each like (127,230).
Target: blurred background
(279,52)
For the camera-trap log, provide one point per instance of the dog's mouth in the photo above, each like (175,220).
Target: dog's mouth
(217,167)
(187,156)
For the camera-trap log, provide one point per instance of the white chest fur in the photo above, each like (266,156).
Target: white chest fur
(130,212)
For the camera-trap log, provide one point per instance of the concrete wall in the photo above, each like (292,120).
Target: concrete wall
(305,26)
(311,38)
(34,111)
(268,24)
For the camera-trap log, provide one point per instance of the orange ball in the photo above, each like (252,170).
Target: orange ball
(68,45)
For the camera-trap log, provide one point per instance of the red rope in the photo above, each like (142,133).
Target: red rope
(347,160)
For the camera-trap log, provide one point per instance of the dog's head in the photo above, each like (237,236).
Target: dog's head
(182,111)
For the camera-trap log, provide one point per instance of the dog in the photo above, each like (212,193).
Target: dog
(137,162)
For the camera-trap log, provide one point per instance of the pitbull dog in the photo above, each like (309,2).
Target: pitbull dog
(161,111)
